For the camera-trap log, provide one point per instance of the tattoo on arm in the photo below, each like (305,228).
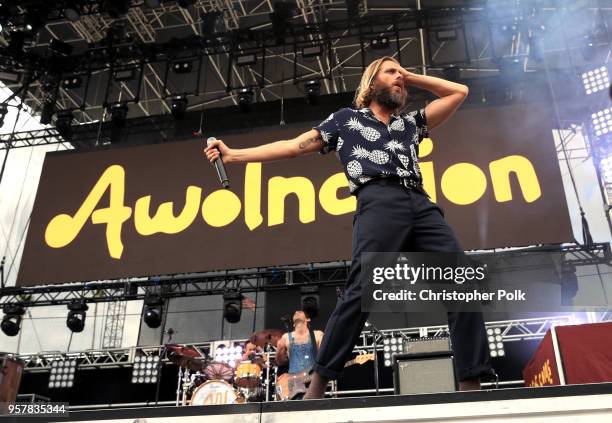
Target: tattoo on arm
(309,141)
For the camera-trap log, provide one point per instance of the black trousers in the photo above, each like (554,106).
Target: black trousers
(392,218)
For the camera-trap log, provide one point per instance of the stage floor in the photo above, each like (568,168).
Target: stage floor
(590,403)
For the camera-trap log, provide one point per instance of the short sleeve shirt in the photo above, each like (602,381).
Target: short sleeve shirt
(370,149)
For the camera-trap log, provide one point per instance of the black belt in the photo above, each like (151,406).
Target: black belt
(404,182)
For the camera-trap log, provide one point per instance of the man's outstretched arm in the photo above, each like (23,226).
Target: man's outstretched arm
(308,142)
(451,96)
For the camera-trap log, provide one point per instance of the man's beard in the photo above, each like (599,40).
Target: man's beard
(387,98)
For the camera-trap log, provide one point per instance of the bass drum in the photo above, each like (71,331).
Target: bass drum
(214,392)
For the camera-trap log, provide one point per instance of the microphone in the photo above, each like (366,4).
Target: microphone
(220,167)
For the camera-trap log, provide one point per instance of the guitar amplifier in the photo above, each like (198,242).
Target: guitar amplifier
(427,345)
(426,366)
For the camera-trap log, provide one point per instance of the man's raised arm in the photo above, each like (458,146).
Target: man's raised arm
(451,96)
(308,142)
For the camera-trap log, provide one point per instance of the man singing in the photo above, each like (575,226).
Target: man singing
(378,148)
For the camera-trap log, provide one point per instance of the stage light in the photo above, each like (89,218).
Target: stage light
(606,168)
(313,51)
(452,73)
(3,112)
(588,47)
(118,112)
(35,19)
(11,322)
(145,369)
(46,112)
(117,8)
(310,300)
(153,4)
(76,316)
(123,75)
(246,59)
(379,43)
(245,98)
(62,374)
(182,66)
(595,80)
(63,123)
(153,310)
(510,67)
(179,107)
(312,89)
(211,23)
(60,47)
(74,81)
(392,346)
(446,34)
(495,341)
(602,122)
(230,355)
(232,306)
(10,76)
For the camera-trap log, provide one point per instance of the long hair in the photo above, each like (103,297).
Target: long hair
(363,93)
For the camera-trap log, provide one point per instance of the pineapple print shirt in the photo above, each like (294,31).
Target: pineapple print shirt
(370,149)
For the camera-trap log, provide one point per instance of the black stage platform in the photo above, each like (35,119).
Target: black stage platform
(573,403)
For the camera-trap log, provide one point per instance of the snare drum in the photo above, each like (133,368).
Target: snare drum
(248,375)
(214,392)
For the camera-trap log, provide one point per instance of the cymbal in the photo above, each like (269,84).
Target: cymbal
(218,371)
(183,356)
(266,336)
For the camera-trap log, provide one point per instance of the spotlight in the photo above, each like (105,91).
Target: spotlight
(595,80)
(602,122)
(63,123)
(11,322)
(117,8)
(588,47)
(182,66)
(3,112)
(153,310)
(495,341)
(123,75)
(153,4)
(246,59)
(310,300)
(392,346)
(379,43)
(179,107)
(60,47)
(35,19)
(312,89)
(452,73)
(74,81)
(76,316)
(62,374)
(10,76)
(211,24)
(145,369)
(245,98)
(313,51)
(510,67)
(118,112)
(46,112)
(446,34)
(606,168)
(232,305)
(230,355)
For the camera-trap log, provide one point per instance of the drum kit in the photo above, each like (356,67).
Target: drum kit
(205,382)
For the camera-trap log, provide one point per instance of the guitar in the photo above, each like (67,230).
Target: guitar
(288,385)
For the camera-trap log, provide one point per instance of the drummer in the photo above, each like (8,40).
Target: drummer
(254,353)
